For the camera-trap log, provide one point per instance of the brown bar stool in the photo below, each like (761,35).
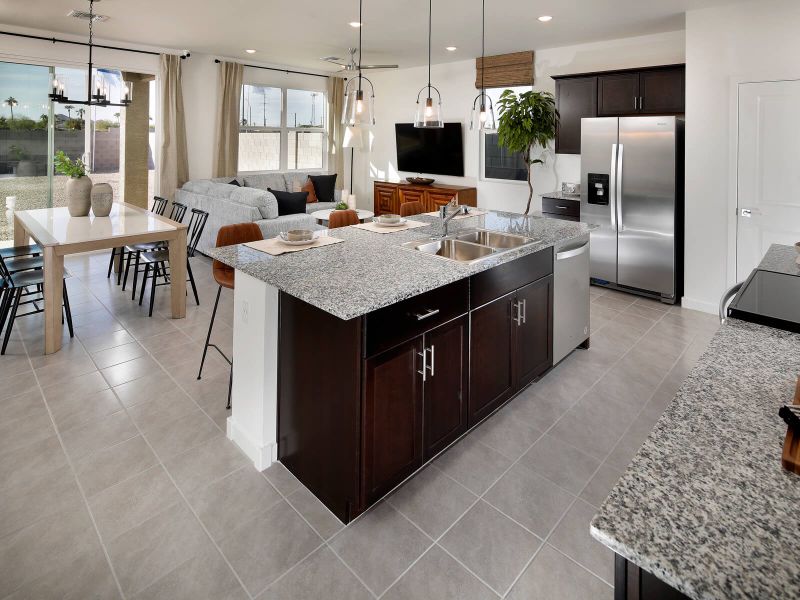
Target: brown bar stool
(411,208)
(342,218)
(228,235)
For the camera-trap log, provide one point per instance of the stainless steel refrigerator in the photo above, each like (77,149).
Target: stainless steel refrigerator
(632,189)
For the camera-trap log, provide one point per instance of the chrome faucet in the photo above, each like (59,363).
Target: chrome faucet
(445,218)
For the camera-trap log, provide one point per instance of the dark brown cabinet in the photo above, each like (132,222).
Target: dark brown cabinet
(618,94)
(491,362)
(662,91)
(534,333)
(576,98)
(389,196)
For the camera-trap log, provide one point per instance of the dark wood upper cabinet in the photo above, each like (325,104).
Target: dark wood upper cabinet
(534,333)
(662,91)
(575,99)
(618,94)
(446,385)
(392,433)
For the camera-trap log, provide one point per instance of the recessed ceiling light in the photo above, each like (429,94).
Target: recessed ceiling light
(250,51)
(545,18)
(355,24)
(451,48)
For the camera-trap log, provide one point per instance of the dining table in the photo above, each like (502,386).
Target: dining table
(60,234)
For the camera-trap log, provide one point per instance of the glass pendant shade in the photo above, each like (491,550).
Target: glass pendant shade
(359,104)
(482,116)
(429,110)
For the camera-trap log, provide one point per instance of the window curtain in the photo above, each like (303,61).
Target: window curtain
(336,129)
(173,161)
(226,146)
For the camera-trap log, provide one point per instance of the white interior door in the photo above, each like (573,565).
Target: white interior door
(768,170)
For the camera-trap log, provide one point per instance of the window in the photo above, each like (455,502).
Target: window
(282,129)
(499,163)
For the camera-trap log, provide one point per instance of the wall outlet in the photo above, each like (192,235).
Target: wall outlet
(245,311)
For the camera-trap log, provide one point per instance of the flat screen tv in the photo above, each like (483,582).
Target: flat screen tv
(431,151)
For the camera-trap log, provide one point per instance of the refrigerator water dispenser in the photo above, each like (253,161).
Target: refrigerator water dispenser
(598,189)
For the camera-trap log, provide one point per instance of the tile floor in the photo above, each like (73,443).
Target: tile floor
(116,479)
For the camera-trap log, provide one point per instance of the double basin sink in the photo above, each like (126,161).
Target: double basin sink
(471,245)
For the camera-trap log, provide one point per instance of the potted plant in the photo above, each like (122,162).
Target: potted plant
(527,120)
(25,166)
(79,186)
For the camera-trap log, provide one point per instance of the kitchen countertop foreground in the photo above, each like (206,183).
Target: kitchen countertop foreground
(780,259)
(371,270)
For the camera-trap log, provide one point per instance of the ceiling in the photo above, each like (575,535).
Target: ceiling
(298,32)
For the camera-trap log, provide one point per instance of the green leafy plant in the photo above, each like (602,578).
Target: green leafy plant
(18,153)
(527,120)
(341,206)
(65,166)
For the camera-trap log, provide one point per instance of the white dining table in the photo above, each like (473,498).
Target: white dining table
(60,234)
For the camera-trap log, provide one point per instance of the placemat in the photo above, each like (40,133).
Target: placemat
(275,246)
(473,212)
(409,224)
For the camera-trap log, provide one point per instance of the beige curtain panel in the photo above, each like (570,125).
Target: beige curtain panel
(226,146)
(336,129)
(173,161)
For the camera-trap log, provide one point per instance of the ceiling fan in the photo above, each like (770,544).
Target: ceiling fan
(351,65)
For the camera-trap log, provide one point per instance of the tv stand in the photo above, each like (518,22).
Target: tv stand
(389,196)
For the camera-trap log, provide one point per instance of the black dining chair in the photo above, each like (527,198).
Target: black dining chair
(156,263)
(159,206)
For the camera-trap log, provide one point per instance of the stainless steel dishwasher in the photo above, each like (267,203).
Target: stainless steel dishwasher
(570,296)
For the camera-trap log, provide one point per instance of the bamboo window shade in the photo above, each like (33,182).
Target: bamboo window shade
(505,70)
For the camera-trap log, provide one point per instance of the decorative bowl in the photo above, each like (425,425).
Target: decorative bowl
(297,235)
(420,180)
(388,219)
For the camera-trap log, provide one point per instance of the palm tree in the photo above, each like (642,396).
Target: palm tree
(117,116)
(69,108)
(11,102)
(81,112)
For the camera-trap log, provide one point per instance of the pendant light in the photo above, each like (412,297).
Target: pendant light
(358,110)
(485,116)
(429,115)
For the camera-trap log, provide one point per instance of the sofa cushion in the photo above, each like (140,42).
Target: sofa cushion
(235,182)
(290,203)
(266,181)
(295,180)
(324,186)
(264,201)
(312,194)
(198,186)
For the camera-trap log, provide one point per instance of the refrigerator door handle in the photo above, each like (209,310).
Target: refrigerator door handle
(618,189)
(612,184)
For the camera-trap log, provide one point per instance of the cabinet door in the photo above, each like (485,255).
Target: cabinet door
(446,385)
(662,91)
(385,199)
(533,330)
(618,94)
(410,195)
(491,364)
(437,198)
(575,99)
(392,434)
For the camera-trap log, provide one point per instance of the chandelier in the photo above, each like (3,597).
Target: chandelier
(98,90)
(429,115)
(358,111)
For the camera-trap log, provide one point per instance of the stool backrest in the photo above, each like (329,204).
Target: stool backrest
(159,205)
(230,235)
(410,208)
(197,222)
(342,218)
(177,212)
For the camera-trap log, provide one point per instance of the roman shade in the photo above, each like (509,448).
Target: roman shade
(505,70)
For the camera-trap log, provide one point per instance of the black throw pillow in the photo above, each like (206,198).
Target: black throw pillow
(290,203)
(324,186)
(235,182)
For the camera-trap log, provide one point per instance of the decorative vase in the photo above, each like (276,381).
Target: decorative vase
(102,199)
(79,193)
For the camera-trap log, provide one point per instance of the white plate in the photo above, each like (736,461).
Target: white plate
(400,223)
(297,242)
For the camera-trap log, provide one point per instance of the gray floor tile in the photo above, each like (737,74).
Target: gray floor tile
(153,386)
(321,575)
(40,458)
(205,463)
(438,575)
(107,340)
(25,421)
(379,546)
(491,545)
(179,435)
(506,433)
(107,467)
(75,387)
(53,374)
(251,548)
(281,478)
(631,441)
(16,384)
(130,370)
(152,549)
(117,355)
(529,499)
(71,411)
(572,537)
(561,463)
(473,465)
(131,502)
(553,575)
(83,440)
(204,577)
(161,409)
(315,512)
(432,500)
(601,484)
(232,501)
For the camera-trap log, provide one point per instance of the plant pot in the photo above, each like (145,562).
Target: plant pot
(26,168)
(102,199)
(79,196)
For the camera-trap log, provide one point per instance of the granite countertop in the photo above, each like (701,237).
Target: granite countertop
(781,259)
(563,196)
(370,270)
(705,505)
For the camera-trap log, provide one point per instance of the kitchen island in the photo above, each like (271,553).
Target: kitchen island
(705,509)
(358,362)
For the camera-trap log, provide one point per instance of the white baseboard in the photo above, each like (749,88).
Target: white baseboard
(262,456)
(701,305)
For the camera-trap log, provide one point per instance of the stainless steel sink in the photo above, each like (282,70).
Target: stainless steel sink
(494,239)
(453,249)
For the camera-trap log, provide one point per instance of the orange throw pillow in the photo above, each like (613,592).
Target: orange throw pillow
(312,194)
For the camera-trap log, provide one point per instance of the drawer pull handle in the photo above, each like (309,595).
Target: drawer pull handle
(561,207)
(423,316)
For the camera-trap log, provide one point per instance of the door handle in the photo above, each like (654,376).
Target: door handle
(573,252)
(612,185)
(749,212)
(425,315)
(618,201)
(424,371)
(635,102)
(432,366)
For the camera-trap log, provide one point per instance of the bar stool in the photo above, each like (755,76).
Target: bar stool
(411,208)
(158,207)
(342,218)
(228,235)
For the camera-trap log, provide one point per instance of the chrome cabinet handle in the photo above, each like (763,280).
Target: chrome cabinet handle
(424,371)
(561,207)
(432,366)
(519,318)
(430,313)
(524,311)
(572,252)
(635,102)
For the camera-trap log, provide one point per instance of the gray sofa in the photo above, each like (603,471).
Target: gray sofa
(227,204)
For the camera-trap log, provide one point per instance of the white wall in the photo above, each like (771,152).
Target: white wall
(395,95)
(743,42)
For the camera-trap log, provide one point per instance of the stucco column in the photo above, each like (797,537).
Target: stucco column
(134,134)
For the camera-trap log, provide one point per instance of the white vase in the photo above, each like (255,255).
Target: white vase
(79,196)
(102,199)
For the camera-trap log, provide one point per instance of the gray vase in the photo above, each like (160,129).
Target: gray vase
(102,199)
(79,192)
